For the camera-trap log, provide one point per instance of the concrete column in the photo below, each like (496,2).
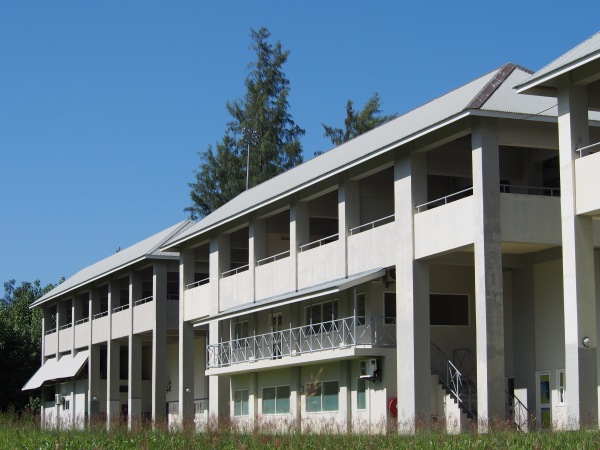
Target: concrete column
(134,396)
(295,396)
(186,372)
(217,255)
(159,341)
(581,375)
(113,375)
(257,248)
(44,323)
(412,295)
(253,396)
(74,308)
(93,383)
(213,381)
(299,229)
(348,212)
(489,302)
(345,405)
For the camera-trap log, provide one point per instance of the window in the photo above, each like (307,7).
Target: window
(449,309)
(240,331)
(67,404)
(360,309)
(560,382)
(322,396)
(321,313)
(276,400)
(361,394)
(389,307)
(240,402)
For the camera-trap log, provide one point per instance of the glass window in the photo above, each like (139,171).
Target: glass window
(322,396)
(321,313)
(240,402)
(560,375)
(361,394)
(449,309)
(361,310)
(282,404)
(389,307)
(268,400)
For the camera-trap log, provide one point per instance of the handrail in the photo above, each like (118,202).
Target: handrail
(371,225)
(197,283)
(50,331)
(272,258)
(508,188)
(143,300)
(65,326)
(584,151)
(354,331)
(235,271)
(100,314)
(516,412)
(444,199)
(466,361)
(120,308)
(80,321)
(321,242)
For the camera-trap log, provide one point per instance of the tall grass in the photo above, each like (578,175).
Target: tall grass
(24,432)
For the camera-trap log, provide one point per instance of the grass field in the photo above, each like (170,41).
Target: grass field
(25,433)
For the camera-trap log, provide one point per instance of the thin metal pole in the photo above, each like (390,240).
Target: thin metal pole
(248,168)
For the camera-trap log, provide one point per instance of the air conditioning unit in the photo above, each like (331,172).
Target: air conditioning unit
(369,369)
(59,399)
(390,276)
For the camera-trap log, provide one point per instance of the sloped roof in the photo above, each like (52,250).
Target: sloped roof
(490,93)
(147,249)
(585,52)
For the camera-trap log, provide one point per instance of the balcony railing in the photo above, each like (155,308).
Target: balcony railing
(320,242)
(235,271)
(197,283)
(269,259)
(588,149)
(100,314)
(121,308)
(50,331)
(84,320)
(66,325)
(341,333)
(143,300)
(371,225)
(529,190)
(200,405)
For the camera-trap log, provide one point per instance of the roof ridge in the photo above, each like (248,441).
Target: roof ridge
(486,92)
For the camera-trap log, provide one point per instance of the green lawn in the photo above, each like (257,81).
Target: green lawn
(24,433)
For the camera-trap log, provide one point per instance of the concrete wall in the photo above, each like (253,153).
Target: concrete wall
(371,249)
(197,302)
(275,278)
(321,264)
(235,290)
(530,218)
(587,184)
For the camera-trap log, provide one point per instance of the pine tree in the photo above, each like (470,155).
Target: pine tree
(358,122)
(264,108)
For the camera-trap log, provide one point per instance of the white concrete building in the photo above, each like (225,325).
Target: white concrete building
(440,266)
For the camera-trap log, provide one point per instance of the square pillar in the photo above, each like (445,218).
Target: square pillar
(159,340)
(295,397)
(93,384)
(186,338)
(581,374)
(412,295)
(134,395)
(348,212)
(489,300)
(113,378)
(299,229)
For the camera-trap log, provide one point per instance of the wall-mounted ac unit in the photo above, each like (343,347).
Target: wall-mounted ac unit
(368,368)
(59,399)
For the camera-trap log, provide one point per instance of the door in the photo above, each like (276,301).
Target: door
(544,407)
(276,328)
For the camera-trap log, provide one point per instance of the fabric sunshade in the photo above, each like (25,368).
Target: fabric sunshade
(66,367)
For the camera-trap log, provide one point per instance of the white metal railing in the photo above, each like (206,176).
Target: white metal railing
(84,320)
(529,190)
(143,300)
(319,243)
(587,150)
(269,259)
(65,326)
(51,330)
(200,405)
(444,200)
(371,225)
(120,308)
(100,314)
(235,271)
(340,333)
(197,283)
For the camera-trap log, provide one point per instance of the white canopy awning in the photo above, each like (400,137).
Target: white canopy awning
(56,369)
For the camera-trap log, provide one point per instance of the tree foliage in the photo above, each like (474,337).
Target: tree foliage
(20,340)
(358,122)
(264,108)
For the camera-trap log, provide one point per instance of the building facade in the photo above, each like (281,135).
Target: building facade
(440,267)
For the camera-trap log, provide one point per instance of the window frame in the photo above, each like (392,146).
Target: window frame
(314,326)
(276,399)
(244,399)
(320,406)
(451,294)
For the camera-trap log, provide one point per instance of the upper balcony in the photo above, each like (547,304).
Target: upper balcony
(372,245)
(320,261)
(196,299)
(345,336)
(587,182)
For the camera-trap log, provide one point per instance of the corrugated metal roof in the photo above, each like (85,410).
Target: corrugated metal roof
(584,52)
(66,367)
(491,92)
(148,248)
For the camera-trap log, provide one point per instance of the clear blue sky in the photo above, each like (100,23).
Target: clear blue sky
(105,105)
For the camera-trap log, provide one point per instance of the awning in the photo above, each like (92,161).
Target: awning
(330,287)
(66,367)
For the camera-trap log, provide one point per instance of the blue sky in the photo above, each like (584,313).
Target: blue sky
(104,106)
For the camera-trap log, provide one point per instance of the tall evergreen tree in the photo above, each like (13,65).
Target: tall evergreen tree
(264,108)
(358,122)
